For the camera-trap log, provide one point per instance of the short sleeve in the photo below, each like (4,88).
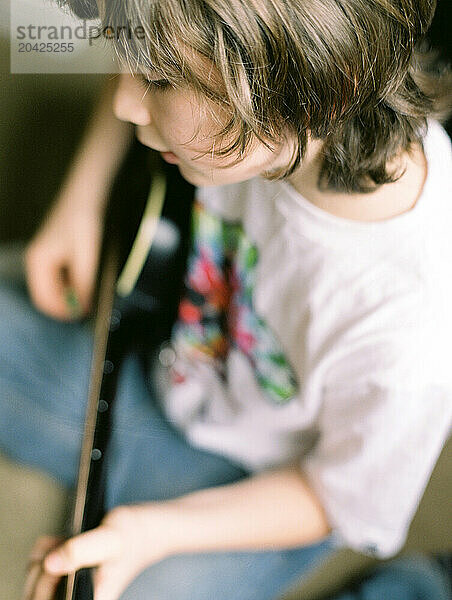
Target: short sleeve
(383,422)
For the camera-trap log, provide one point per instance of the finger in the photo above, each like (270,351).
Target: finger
(35,567)
(33,573)
(46,285)
(45,586)
(43,545)
(86,550)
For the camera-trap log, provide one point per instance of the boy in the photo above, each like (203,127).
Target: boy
(315,415)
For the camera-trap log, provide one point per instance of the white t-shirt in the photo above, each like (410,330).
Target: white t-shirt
(309,337)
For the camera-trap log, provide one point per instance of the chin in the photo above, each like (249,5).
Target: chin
(209,179)
(196,178)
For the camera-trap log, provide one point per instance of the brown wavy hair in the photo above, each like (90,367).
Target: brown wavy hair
(349,72)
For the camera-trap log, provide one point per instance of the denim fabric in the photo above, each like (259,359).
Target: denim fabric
(44,368)
(414,577)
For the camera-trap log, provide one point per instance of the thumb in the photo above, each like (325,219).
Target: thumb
(44,282)
(88,549)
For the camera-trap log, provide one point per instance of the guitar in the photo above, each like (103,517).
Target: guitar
(143,259)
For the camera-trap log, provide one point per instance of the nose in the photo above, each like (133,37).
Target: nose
(128,103)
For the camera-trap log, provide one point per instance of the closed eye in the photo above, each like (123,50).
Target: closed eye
(160,84)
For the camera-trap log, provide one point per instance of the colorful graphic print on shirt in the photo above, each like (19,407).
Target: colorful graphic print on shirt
(216,312)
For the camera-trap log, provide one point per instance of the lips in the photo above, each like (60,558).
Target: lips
(170,157)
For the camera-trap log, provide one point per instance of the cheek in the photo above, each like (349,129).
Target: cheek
(179,120)
(193,127)
(189,131)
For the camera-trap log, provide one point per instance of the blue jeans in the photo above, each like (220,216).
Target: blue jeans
(414,577)
(44,368)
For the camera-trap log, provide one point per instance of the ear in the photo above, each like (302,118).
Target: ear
(84,9)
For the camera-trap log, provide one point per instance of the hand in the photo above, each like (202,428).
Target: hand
(129,539)
(63,256)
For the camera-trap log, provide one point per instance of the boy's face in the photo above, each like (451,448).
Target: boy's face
(174,123)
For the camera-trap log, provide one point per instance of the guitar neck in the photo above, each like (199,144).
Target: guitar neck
(88,514)
(137,294)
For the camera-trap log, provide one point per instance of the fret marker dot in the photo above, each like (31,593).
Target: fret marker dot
(108,367)
(102,406)
(96,454)
(115,320)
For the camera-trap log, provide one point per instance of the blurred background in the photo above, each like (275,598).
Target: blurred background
(42,118)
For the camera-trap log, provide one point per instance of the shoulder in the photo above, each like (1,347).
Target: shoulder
(437,142)
(438,152)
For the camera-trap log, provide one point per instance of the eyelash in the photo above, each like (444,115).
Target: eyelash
(156,84)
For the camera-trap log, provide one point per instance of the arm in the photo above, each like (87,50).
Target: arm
(100,153)
(64,253)
(269,511)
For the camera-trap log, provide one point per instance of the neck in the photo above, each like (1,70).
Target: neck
(387,201)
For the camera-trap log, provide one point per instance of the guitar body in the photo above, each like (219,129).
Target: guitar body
(139,322)
(153,303)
